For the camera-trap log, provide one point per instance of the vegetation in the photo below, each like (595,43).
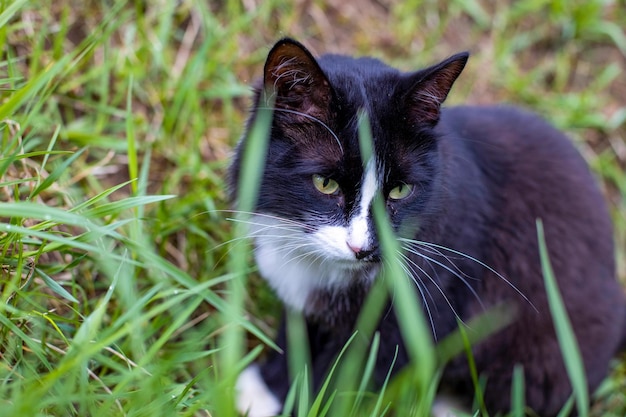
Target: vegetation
(118,294)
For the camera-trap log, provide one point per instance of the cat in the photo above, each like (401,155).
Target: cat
(473,179)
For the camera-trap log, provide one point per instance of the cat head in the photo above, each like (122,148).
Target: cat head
(313,226)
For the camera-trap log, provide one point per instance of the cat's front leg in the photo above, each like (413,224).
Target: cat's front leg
(261,388)
(254,397)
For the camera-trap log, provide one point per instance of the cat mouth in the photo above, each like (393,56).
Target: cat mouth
(366,255)
(370,259)
(360,263)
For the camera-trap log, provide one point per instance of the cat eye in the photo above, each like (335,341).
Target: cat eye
(401,191)
(325,185)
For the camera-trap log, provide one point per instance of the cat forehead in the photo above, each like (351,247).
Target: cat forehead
(361,65)
(360,78)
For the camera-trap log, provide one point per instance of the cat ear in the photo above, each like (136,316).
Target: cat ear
(431,87)
(293,78)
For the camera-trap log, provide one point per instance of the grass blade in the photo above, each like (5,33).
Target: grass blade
(518,400)
(55,286)
(563,327)
(56,174)
(416,333)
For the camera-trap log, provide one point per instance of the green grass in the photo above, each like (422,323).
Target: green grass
(117,118)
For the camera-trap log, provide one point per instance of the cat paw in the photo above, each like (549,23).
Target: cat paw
(254,398)
(445,406)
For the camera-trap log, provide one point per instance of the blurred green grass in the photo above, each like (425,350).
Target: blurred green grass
(116,122)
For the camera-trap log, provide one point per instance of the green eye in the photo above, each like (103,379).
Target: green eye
(325,185)
(401,191)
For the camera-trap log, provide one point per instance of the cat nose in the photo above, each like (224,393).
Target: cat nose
(360,252)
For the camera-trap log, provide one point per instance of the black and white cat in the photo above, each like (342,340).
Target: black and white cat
(471,179)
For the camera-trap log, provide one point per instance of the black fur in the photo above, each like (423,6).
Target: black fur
(482,176)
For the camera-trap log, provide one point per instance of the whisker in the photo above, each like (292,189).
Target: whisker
(287,243)
(235,240)
(284,222)
(471,258)
(436,251)
(258,214)
(415,275)
(292,247)
(447,268)
(445,297)
(298,247)
(412,273)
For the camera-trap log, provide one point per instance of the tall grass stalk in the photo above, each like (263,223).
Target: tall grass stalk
(564,331)
(416,400)
(252,167)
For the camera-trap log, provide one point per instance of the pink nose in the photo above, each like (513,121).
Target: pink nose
(354,248)
(360,252)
